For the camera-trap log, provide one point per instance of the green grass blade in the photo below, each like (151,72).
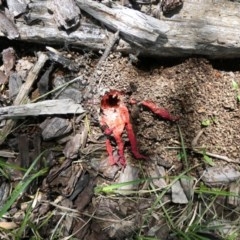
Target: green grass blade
(4,164)
(112,187)
(24,223)
(20,189)
(183,148)
(23,184)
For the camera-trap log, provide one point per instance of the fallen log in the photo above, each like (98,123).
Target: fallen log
(202,27)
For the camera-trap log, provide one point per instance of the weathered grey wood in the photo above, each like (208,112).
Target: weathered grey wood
(7,154)
(17,7)
(48,107)
(39,26)
(55,127)
(7,28)
(203,27)
(14,84)
(66,13)
(68,92)
(87,36)
(22,96)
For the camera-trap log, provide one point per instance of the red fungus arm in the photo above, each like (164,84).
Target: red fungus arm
(161,112)
(120,145)
(130,133)
(112,161)
(133,142)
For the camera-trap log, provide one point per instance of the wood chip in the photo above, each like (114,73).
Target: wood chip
(48,107)
(17,7)
(72,147)
(8,225)
(15,83)
(55,127)
(218,176)
(66,13)
(9,59)
(22,96)
(178,195)
(7,28)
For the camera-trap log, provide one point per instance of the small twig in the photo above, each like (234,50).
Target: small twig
(7,154)
(58,88)
(198,150)
(201,150)
(22,96)
(108,49)
(102,60)
(183,147)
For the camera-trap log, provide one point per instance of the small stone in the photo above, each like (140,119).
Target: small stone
(217,176)
(178,195)
(55,127)
(129,174)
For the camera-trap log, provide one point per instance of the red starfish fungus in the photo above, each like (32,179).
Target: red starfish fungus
(114,118)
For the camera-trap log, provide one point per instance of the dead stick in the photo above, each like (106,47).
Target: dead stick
(108,49)
(22,96)
(92,80)
(198,150)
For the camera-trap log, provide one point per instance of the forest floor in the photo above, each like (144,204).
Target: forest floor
(71,199)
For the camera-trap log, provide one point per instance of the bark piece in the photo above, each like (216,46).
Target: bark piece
(187,185)
(55,127)
(65,62)
(48,107)
(129,174)
(134,26)
(233,198)
(178,195)
(99,161)
(158,173)
(3,78)
(87,35)
(9,59)
(17,7)
(23,93)
(69,179)
(7,28)
(54,173)
(7,154)
(80,185)
(4,192)
(23,147)
(23,67)
(67,92)
(85,197)
(15,83)
(72,147)
(218,176)
(44,81)
(66,13)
